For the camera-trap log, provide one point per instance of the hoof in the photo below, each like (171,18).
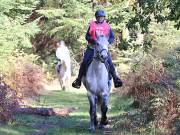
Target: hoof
(63,88)
(104,122)
(96,123)
(101,126)
(92,129)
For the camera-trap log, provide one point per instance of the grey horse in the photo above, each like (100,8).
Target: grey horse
(97,83)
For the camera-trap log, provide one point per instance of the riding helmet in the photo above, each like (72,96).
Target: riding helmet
(100,13)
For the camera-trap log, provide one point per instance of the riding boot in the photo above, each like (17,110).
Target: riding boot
(77,82)
(112,71)
(116,79)
(88,55)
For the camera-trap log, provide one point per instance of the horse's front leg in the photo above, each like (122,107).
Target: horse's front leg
(92,111)
(63,83)
(104,109)
(60,81)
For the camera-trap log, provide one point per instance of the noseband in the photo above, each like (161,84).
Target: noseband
(99,56)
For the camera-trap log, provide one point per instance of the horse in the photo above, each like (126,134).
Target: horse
(63,66)
(98,83)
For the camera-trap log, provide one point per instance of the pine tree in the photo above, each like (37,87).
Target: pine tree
(15,30)
(67,20)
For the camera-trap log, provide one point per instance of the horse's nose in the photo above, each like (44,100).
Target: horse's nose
(103,58)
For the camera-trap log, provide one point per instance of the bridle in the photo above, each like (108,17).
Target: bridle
(99,56)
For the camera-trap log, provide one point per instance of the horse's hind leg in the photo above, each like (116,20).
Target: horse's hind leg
(92,112)
(104,109)
(63,83)
(60,81)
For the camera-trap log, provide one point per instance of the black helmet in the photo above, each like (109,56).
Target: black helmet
(100,13)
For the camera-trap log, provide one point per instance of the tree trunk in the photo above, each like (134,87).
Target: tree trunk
(46,111)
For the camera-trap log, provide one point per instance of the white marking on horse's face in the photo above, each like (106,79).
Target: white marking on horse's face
(101,48)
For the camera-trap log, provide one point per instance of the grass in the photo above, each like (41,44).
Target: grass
(76,123)
(15,130)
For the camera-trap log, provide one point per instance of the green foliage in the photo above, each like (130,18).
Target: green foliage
(67,20)
(14,31)
(178,83)
(76,123)
(160,11)
(147,12)
(166,104)
(119,14)
(170,61)
(123,103)
(166,46)
(14,28)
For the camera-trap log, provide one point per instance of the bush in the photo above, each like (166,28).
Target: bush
(165,110)
(8,102)
(23,75)
(150,88)
(178,83)
(140,82)
(27,79)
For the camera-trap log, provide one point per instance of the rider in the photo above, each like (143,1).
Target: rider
(100,26)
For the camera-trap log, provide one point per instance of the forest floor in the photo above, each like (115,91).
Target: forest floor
(74,123)
(123,118)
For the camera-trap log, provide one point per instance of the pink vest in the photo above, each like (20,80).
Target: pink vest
(100,28)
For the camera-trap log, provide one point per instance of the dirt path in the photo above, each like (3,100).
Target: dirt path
(77,122)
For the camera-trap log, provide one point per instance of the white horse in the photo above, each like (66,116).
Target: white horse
(63,67)
(97,82)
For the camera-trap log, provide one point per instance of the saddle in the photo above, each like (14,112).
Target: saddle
(106,65)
